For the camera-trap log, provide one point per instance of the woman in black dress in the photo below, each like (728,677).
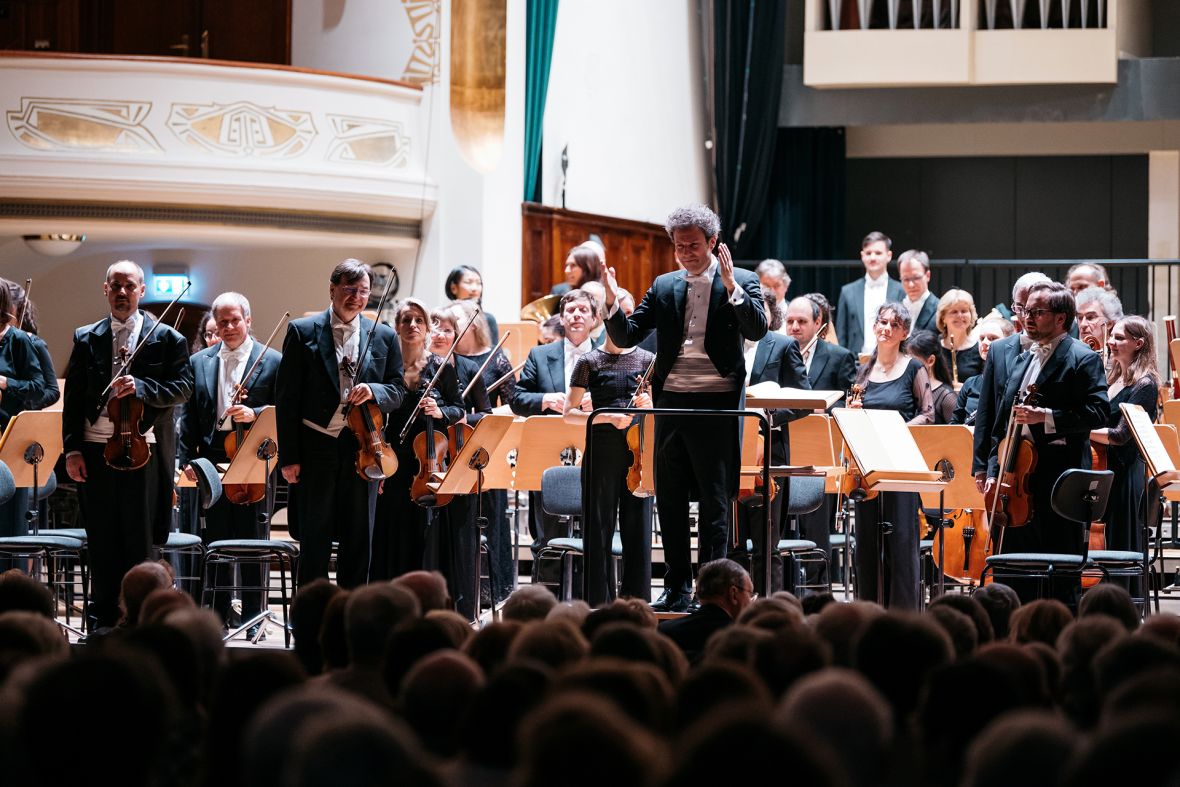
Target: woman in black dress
(1134,378)
(892,380)
(465,283)
(923,346)
(400,538)
(476,347)
(610,375)
(992,329)
(458,537)
(22,387)
(956,319)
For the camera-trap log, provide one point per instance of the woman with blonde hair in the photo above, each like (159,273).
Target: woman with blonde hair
(956,318)
(1134,378)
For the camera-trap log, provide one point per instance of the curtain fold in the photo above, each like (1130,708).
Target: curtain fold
(540,26)
(749,41)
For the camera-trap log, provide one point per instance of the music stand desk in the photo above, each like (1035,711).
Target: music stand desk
(29,427)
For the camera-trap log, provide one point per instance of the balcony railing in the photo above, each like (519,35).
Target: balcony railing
(944,14)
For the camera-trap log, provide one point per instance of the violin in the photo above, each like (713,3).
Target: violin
(638,482)
(127,448)
(431,448)
(1009,502)
(375,459)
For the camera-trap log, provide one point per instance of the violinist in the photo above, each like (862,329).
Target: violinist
(317,450)
(892,380)
(1072,401)
(500,387)
(22,387)
(25,311)
(773,357)
(125,511)
(210,416)
(992,329)
(610,375)
(403,539)
(1098,311)
(458,534)
(923,346)
(1134,378)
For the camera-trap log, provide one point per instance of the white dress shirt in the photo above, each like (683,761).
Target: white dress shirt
(875,292)
(346,336)
(572,353)
(231,367)
(123,334)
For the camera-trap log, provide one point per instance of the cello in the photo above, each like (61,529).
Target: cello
(245,494)
(127,448)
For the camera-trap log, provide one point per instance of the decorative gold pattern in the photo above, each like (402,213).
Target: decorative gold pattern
(83,124)
(242,129)
(369,141)
(422,68)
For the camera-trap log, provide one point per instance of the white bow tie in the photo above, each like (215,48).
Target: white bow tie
(236,355)
(1041,351)
(119,325)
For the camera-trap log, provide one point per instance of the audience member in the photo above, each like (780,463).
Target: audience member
(528,602)
(724,589)
(137,583)
(430,587)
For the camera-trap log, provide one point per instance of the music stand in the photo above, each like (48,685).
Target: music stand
(949,449)
(889,461)
(253,461)
(466,472)
(32,438)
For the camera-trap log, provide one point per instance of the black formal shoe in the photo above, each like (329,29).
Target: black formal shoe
(694,605)
(671,601)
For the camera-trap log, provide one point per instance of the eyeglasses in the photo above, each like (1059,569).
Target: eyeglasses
(354,292)
(893,324)
(1017,308)
(210,334)
(1035,314)
(748,591)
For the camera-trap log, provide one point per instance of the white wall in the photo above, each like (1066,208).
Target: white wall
(626,94)
(370,37)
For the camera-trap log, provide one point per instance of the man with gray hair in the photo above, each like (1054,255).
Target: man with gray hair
(216,411)
(702,315)
(1000,358)
(724,589)
(773,277)
(1098,310)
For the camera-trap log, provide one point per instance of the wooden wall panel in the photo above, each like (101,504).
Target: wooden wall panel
(638,251)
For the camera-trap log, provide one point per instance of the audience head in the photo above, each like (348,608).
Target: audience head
(840,625)
(528,602)
(1110,599)
(491,723)
(875,253)
(20,592)
(370,615)
(429,587)
(900,673)
(137,584)
(307,615)
(725,584)
(573,612)
(1035,744)
(434,696)
(159,604)
(999,602)
(489,645)
(553,643)
(913,267)
(973,609)
(1039,621)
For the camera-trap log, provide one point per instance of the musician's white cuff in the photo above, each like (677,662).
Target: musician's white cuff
(614,307)
(738,297)
(1050,425)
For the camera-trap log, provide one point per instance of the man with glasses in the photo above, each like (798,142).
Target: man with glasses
(210,417)
(124,511)
(996,373)
(1071,401)
(914,268)
(724,589)
(317,451)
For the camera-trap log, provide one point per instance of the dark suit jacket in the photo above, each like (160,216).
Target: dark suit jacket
(727,325)
(308,382)
(163,380)
(778,358)
(926,317)
(692,632)
(851,307)
(543,372)
(199,425)
(832,368)
(996,371)
(1073,385)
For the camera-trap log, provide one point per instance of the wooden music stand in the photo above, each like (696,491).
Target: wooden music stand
(1160,466)
(525,335)
(542,441)
(256,456)
(32,438)
(889,461)
(949,449)
(770,395)
(815,442)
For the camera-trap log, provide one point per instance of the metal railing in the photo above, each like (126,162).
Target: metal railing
(944,14)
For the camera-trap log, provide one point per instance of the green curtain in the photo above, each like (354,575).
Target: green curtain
(749,44)
(541,23)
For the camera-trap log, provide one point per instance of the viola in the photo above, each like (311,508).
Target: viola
(127,448)
(1010,501)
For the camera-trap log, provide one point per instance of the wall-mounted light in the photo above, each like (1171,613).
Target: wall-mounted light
(54,245)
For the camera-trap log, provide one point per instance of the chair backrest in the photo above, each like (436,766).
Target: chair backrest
(1082,495)
(561,491)
(806,494)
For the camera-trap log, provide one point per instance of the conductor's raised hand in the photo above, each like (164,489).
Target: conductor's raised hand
(611,285)
(725,267)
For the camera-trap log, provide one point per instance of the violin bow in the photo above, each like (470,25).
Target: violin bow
(504,379)
(433,380)
(242,389)
(140,345)
(484,365)
(24,306)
